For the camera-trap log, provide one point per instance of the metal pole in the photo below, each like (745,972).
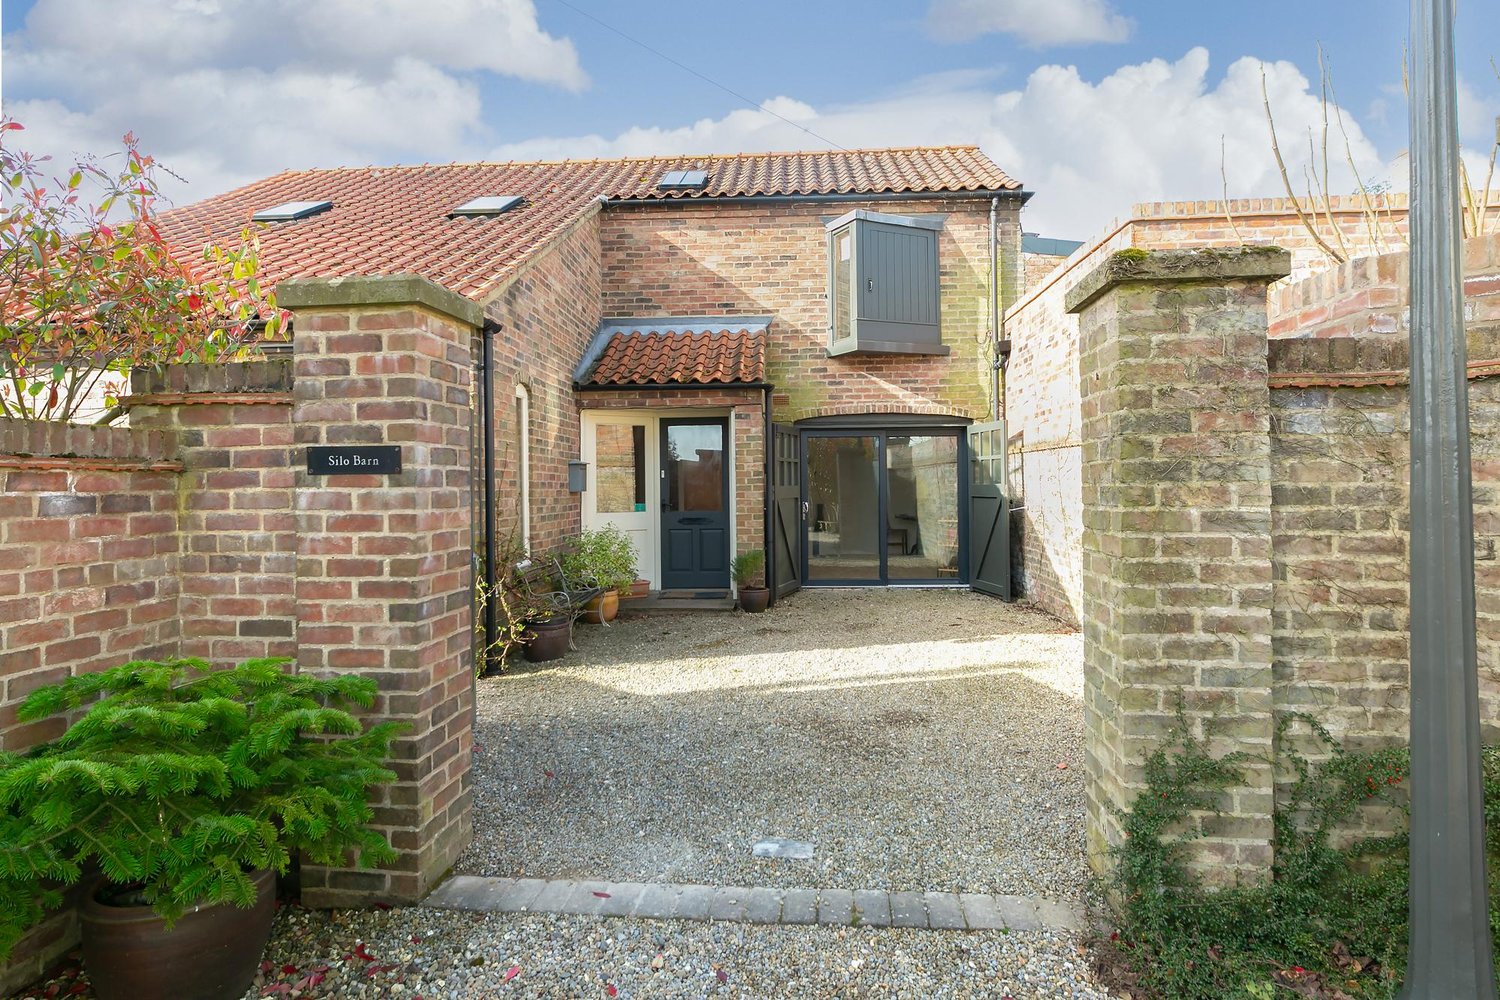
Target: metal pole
(1450,933)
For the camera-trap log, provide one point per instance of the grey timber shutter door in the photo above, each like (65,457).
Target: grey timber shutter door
(989,511)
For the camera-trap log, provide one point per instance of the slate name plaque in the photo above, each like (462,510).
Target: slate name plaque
(354,460)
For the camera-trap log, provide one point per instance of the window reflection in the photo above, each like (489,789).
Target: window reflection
(620,454)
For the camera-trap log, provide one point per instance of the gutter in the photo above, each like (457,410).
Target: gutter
(758,199)
(673,387)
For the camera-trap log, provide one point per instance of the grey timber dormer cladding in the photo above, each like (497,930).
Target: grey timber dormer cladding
(883,284)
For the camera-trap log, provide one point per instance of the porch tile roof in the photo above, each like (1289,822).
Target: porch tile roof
(398,220)
(687,353)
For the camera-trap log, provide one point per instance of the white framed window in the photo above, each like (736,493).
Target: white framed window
(523,435)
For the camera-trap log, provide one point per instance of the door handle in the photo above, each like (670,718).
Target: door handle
(804,510)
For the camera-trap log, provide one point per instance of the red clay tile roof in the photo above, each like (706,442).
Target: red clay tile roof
(394,220)
(687,357)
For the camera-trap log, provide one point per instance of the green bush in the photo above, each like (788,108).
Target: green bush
(178,779)
(599,557)
(746,566)
(1327,918)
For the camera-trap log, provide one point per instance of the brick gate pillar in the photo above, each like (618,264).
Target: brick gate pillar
(384,561)
(1177,530)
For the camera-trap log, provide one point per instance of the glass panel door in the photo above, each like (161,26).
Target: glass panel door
(843,516)
(921,502)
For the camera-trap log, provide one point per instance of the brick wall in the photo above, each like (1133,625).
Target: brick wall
(1041,383)
(1343,226)
(1177,573)
(88,557)
(547,314)
(384,563)
(720,259)
(109,541)
(233,429)
(1332,431)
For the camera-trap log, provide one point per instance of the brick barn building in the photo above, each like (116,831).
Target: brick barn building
(781,351)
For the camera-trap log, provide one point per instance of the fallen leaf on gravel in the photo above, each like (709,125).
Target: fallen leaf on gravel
(362,953)
(609,989)
(549,774)
(602,895)
(511,973)
(1062,766)
(287,970)
(723,976)
(416,939)
(658,962)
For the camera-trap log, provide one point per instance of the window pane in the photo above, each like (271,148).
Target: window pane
(921,507)
(695,467)
(620,453)
(843,532)
(843,274)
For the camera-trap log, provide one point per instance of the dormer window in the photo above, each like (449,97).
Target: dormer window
(883,285)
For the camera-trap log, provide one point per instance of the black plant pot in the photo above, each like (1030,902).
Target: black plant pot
(211,953)
(755,599)
(547,640)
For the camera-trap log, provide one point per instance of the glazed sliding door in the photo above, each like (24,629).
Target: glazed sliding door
(842,478)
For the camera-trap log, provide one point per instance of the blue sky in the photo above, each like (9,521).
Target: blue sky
(1094,104)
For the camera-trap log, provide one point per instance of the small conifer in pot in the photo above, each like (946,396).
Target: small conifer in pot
(184,785)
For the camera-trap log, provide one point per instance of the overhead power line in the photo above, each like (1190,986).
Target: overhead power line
(706,79)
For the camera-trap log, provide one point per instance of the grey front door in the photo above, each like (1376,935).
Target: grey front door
(695,504)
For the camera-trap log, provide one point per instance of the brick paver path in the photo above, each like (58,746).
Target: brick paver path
(661,900)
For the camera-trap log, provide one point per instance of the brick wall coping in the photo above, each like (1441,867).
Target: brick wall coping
(382,290)
(35,463)
(205,398)
(34,443)
(263,375)
(1353,362)
(1137,266)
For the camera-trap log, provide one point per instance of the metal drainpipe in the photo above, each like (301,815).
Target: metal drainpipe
(997,404)
(768,490)
(487,424)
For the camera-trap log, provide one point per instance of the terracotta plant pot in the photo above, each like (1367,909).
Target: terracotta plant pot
(755,599)
(602,608)
(210,953)
(547,640)
(638,589)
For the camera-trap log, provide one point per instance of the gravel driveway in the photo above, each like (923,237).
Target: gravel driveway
(919,739)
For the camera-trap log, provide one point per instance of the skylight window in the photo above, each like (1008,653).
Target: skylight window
(487,206)
(682,180)
(291,211)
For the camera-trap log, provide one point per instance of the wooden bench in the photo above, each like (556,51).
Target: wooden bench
(545,583)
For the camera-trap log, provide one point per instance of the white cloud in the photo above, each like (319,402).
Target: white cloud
(223,92)
(1146,132)
(1035,22)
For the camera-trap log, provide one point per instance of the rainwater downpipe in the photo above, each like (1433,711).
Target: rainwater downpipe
(997,404)
(487,424)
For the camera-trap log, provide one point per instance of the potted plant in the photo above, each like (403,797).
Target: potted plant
(189,789)
(745,569)
(600,557)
